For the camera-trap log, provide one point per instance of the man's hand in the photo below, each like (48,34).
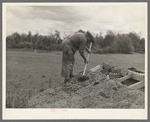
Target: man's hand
(89,51)
(85,61)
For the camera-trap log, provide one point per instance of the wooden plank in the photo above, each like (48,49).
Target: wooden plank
(137,85)
(125,77)
(136,75)
(136,70)
(95,68)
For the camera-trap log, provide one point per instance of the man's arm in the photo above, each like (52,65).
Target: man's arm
(89,51)
(83,56)
(82,47)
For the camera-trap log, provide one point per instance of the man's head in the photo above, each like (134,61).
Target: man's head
(81,31)
(89,37)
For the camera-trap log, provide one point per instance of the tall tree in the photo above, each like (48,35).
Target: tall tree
(135,38)
(29,37)
(109,38)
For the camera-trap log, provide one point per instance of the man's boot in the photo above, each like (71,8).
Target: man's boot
(66,80)
(71,74)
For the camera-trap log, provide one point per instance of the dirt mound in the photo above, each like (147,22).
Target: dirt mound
(97,92)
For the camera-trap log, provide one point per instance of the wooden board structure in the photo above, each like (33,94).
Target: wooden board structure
(94,69)
(131,74)
(139,77)
(125,77)
(138,85)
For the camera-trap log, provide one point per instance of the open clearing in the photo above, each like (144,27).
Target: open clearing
(29,70)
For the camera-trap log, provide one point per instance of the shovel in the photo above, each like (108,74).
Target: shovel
(84,77)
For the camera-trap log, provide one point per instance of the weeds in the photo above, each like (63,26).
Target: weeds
(18,99)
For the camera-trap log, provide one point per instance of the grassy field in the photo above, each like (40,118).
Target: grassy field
(28,70)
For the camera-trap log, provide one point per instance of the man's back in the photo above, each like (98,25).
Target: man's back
(78,40)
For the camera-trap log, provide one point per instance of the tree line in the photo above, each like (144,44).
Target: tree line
(119,43)
(110,43)
(37,42)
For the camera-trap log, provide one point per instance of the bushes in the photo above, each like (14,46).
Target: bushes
(19,98)
(38,42)
(138,44)
(111,43)
(109,38)
(121,43)
(114,47)
(28,45)
(21,45)
(54,47)
(107,49)
(95,49)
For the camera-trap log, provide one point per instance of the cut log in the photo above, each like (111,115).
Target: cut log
(125,77)
(137,85)
(94,69)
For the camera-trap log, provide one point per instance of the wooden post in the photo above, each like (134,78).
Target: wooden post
(29,94)
(50,82)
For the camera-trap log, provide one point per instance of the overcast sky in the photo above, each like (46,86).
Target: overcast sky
(69,19)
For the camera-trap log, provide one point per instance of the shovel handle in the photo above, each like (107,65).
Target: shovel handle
(87,59)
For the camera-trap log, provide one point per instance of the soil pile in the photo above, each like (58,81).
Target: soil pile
(97,92)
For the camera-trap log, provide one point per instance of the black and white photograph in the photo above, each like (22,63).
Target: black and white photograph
(75,60)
